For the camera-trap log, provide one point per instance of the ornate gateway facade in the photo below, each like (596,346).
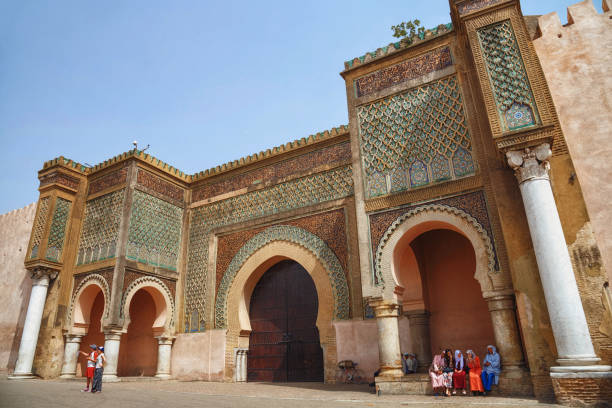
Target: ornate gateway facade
(448,213)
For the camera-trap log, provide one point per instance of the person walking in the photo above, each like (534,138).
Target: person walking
(91,364)
(96,385)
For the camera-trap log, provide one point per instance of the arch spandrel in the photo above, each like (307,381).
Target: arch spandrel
(425,218)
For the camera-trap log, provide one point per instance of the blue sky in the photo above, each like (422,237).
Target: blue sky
(202,82)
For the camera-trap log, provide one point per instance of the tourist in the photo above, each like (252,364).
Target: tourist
(473,363)
(436,373)
(459,373)
(491,369)
(91,364)
(448,369)
(96,385)
(409,363)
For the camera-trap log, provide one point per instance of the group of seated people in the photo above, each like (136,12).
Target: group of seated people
(453,373)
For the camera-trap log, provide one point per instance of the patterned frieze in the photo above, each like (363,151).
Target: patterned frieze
(474,204)
(106,275)
(306,191)
(159,186)
(57,232)
(415,138)
(155,231)
(337,153)
(298,236)
(98,240)
(507,75)
(38,232)
(413,68)
(470,6)
(108,180)
(59,178)
(131,276)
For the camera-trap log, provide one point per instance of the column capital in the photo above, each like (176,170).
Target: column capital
(112,334)
(384,308)
(501,302)
(41,275)
(530,163)
(73,338)
(168,340)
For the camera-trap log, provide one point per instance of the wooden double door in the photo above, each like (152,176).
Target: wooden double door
(284,341)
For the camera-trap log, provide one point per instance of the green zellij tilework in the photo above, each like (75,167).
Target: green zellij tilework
(39,226)
(57,233)
(507,75)
(155,231)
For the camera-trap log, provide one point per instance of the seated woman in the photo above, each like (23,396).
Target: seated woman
(473,363)
(459,373)
(409,363)
(436,373)
(448,370)
(491,369)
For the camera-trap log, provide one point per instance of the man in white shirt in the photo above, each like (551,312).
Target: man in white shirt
(96,385)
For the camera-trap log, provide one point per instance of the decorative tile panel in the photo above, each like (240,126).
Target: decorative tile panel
(57,233)
(98,239)
(435,60)
(109,180)
(39,226)
(303,192)
(420,129)
(298,236)
(154,236)
(507,75)
(160,186)
(337,153)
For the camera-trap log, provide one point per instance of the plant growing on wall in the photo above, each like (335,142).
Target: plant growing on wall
(407,30)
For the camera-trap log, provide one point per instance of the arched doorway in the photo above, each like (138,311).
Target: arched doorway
(88,317)
(284,341)
(444,274)
(138,349)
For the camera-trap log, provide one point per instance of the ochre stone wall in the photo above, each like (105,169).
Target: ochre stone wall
(15,284)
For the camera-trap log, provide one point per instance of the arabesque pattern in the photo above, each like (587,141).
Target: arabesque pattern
(298,236)
(57,233)
(511,89)
(154,236)
(414,130)
(39,226)
(298,193)
(100,228)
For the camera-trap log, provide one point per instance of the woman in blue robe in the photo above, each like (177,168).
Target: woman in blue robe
(491,368)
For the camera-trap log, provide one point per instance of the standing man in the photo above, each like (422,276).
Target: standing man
(91,364)
(96,385)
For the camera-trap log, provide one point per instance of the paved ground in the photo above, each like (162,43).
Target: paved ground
(171,394)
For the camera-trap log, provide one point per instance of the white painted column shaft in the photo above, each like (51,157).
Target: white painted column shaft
(388,337)
(31,327)
(164,355)
(71,355)
(111,352)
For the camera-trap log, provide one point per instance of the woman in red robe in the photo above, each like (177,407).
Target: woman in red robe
(459,374)
(473,363)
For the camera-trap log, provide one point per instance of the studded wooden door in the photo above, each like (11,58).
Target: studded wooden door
(284,342)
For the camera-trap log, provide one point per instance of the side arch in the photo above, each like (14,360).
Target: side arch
(428,217)
(164,303)
(308,241)
(80,305)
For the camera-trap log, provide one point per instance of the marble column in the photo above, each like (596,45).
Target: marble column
(29,338)
(505,329)
(387,313)
(241,364)
(569,325)
(112,339)
(418,321)
(71,355)
(164,355)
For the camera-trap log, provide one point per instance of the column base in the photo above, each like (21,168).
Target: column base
(515,381)
(67,376)
(21,376)
(582,386)
(110,378)
(163,376)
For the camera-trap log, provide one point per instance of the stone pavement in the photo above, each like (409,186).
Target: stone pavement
(171,394)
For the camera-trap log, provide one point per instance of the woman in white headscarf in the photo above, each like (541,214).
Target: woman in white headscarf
(491,368)
(459,373)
